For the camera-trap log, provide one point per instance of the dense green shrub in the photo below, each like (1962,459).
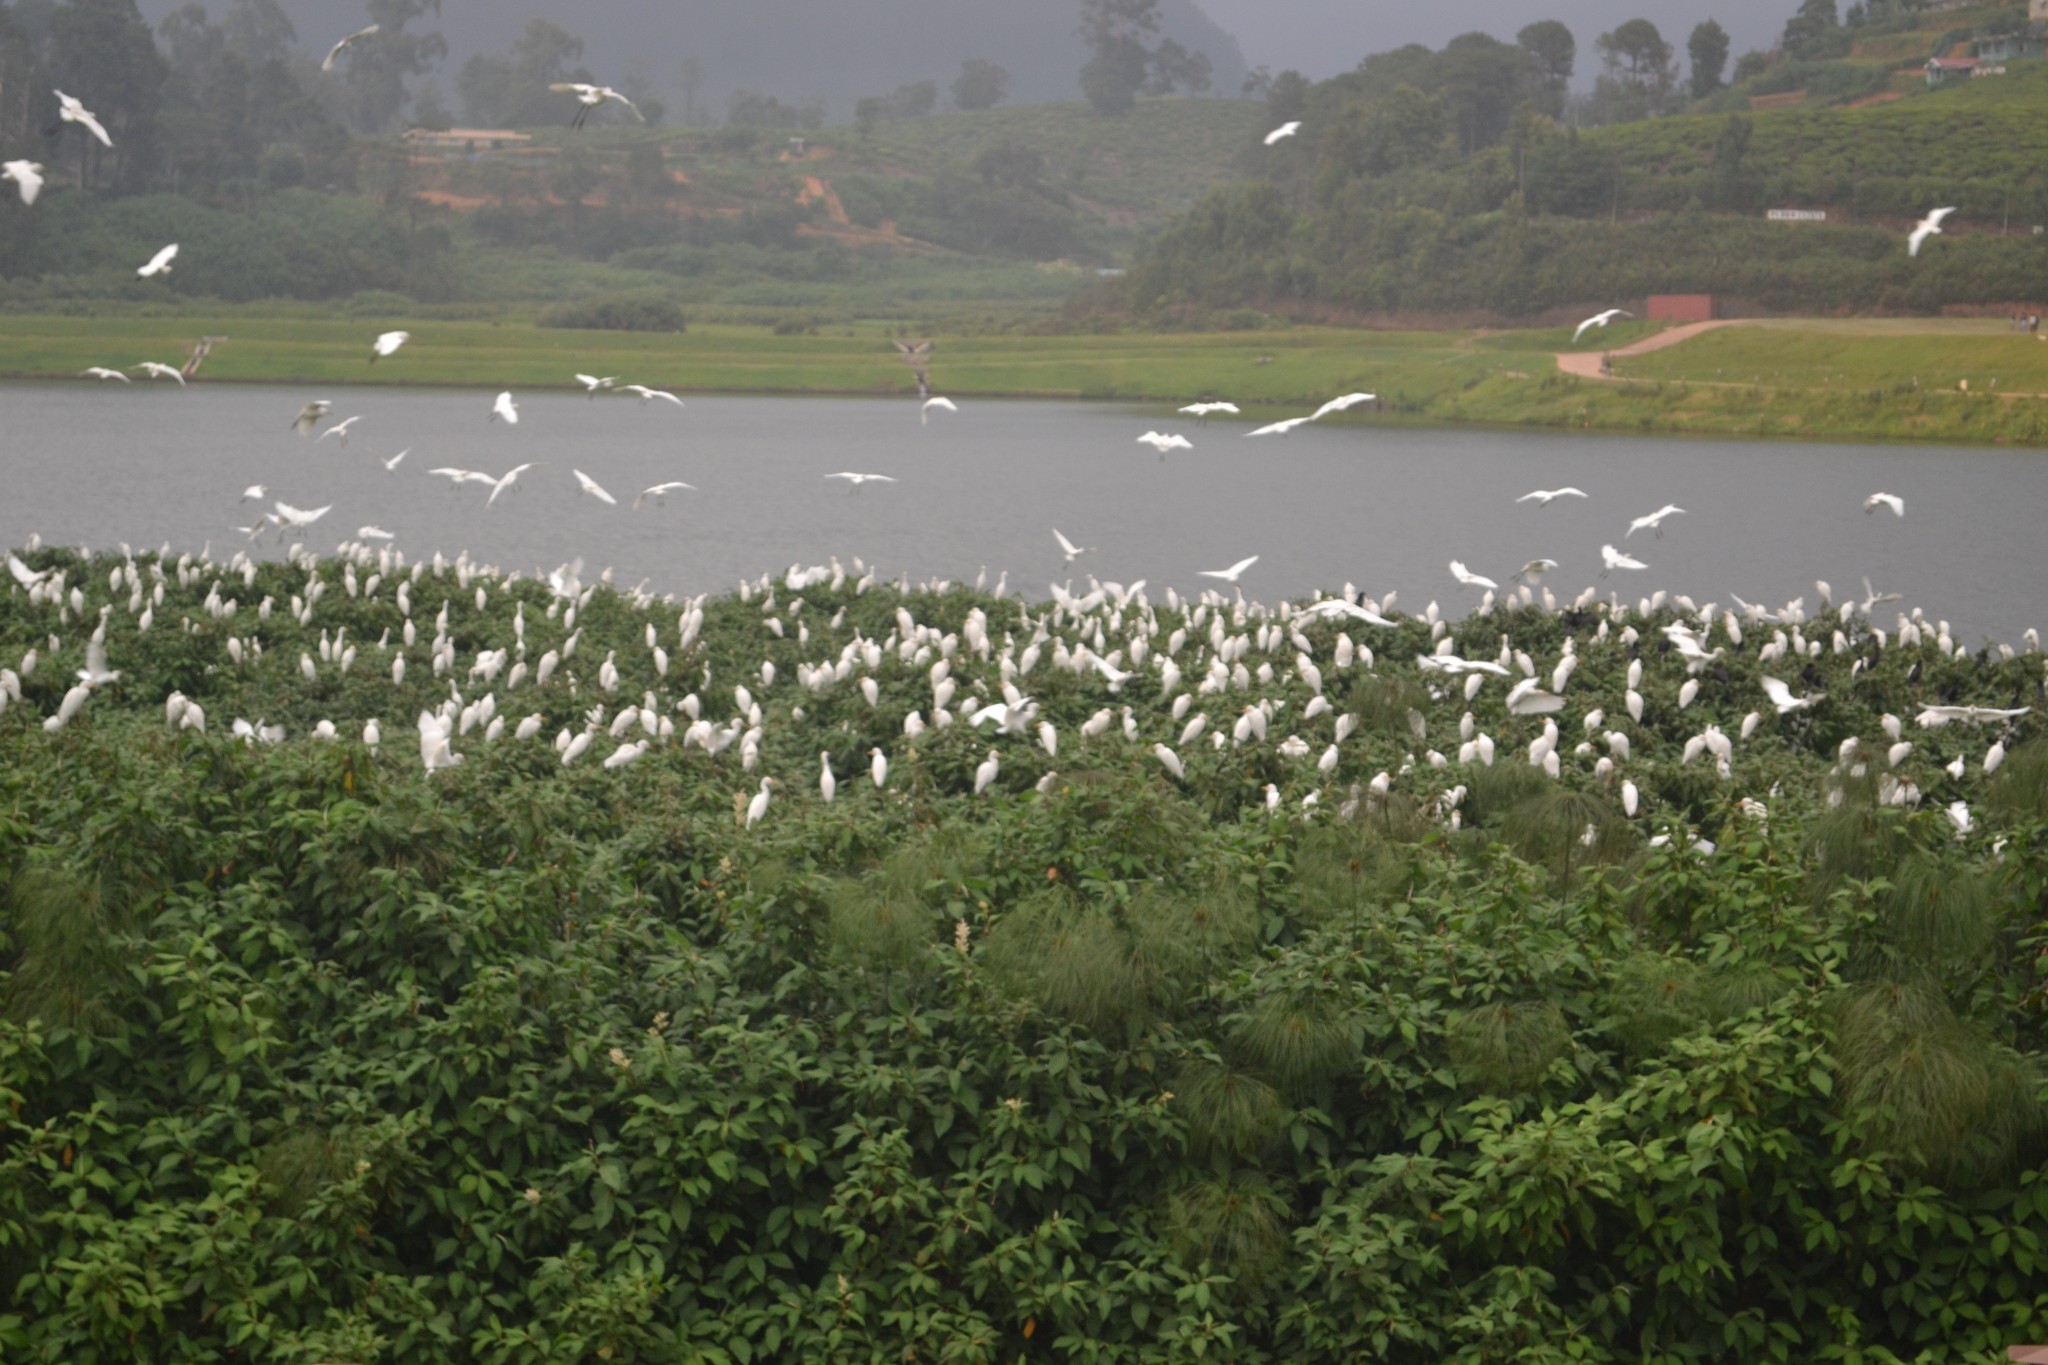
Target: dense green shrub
(617,313)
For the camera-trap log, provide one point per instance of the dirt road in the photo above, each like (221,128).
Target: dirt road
(1586,364)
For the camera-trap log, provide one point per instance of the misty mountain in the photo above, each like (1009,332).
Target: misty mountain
(826,51)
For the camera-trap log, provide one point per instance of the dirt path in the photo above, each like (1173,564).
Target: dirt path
(1586,364)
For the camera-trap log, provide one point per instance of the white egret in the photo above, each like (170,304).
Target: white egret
(1283,132)
(1203,411)
(986,774)
(70,110)
(1170,760)
(593,385)
(1615,559)
(27,177)
(1231,574)
(647,393)
(878,769)
(592,98)
(1934,717)
(159,264)
(856,480)
(1527,698)
(507,409)
(1162,442)
(592,487)
(102,373)
(1891,500)
(1543,497)
(1930,226)
(1341,404)
(387,345)
(334,53)
(1281,428)
(310,415)
(1654,520)
(511,477)
(96,673)
(660,491)
(340,429)
(1470,579)
(255,492)
(924,414)
(1069,548)
(373,533)
(1782,698)
(828,785)
(1532,572)
(391,465)
(758,807)
(1600,320)
(158,371)
(287,515)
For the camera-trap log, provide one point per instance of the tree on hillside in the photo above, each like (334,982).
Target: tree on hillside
(1173,68)
(378,75)
(980,85)
(1556,53)
(1814,31)
(512,91)
(258,31)
(1637,73)
(1483,81)
(1708,50)
(102,52)
(1118,33)
(1287,98)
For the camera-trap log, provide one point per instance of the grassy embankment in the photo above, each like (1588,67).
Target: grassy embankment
(1781,378)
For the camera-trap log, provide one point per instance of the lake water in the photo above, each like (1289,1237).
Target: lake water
(1386,508)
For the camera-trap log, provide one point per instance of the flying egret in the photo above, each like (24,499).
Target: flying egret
(1782,698)
(592,487)
(1202,411)
(256,492)
(70,110)
(27,177)
(924,414)
(1283,132)
(1281,428)
(1930,226)
(1934,717)
(1601,320)
(1340,404)
(24,575)
(310,415)
(157,371)
(1231,574)
(1891,500)
(593,384)
(1069,548)
(1532,572)
(1543,497)
(647,393)
(334,53)
(340,429)
(102,373)
(1527,698)
(1654,520)
(505,408)
(373,533)
(1162,442)
(387,345)
(858,479)
(592,98)
(659,491)
(288,515)
(511,477)
(391,465)
(160,264)
(1615,559)
(1470,579)
(96,673)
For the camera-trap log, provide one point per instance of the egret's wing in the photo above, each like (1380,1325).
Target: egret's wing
(1065,544)
(1777,691)
(630,105)
(23,575)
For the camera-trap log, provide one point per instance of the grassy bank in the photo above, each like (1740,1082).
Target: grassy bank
(1894,379)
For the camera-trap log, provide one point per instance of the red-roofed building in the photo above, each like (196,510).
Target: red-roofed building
(1942,69)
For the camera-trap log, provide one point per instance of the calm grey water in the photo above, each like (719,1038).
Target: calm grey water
(1384,508)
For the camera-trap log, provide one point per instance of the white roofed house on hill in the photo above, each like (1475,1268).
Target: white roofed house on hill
(466,139)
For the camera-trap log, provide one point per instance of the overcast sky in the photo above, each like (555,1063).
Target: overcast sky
(1323,37)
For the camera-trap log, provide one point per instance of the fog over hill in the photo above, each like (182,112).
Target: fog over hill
(798,50)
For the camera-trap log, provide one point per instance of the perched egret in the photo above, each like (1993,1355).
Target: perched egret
(1600,320)
(828,785)
(334,53)
(986,774)
(1930,226)
(878,769)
